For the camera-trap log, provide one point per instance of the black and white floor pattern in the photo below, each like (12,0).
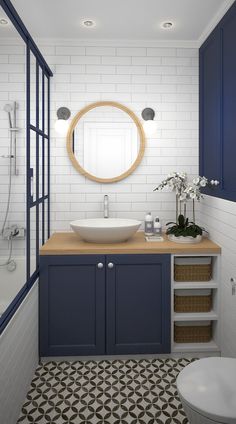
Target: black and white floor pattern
(105,392)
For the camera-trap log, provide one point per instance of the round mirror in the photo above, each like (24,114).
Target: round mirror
(105,141)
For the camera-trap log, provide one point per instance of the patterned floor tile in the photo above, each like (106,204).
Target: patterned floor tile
(105,392)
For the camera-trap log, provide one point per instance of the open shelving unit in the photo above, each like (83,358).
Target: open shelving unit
(213,315)
(195,316)
(196,347)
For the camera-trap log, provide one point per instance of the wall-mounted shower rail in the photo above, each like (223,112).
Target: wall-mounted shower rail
(13,134)
(9,109)
(14,131)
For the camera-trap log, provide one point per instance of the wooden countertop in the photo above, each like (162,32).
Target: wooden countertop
(70,244)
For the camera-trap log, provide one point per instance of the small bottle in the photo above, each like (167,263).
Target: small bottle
(148,224)
(157,226)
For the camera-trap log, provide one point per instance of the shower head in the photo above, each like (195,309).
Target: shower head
(8,108)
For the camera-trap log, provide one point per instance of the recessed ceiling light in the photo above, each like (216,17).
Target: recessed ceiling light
(3,21)
(89,23)
(167,25)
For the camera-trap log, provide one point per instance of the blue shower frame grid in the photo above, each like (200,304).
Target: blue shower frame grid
(41,136)
(31,48)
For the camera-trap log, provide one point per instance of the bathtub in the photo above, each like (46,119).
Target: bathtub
(11,282)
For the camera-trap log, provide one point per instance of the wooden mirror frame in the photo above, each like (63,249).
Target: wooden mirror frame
(69,142)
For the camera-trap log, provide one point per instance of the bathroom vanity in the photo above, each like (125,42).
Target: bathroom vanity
(98,299)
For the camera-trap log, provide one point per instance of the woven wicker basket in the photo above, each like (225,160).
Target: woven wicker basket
(192,333)
(197,272)
(192,303)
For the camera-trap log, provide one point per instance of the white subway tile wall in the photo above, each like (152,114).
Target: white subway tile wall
(12,88)
(18,357)
(162,78)
(219,217)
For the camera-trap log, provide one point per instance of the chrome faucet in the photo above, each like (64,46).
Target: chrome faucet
(105,206)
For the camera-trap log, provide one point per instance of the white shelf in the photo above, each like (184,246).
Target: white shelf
(213,316)
(195,285)
(195,316)
(196,347)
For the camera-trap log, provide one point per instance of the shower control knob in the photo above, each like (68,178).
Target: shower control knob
(100,265)
(110,265)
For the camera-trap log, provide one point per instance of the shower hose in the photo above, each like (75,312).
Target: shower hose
(9,259)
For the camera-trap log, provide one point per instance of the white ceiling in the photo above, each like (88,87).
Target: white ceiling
(120,19)
(7,30)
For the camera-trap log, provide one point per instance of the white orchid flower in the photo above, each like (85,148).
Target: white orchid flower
(177,182)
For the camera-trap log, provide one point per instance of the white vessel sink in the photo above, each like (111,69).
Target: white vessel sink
(105,230)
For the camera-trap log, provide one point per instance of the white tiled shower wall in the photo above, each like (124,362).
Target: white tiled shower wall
(165,79)
(12,88)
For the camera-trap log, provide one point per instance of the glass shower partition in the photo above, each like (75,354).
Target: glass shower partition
(12,165)
(37,161)
(24,160)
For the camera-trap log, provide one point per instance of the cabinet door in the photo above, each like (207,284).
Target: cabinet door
(218,106)
(210,108)
(138,304)
(229,104)
(72,305)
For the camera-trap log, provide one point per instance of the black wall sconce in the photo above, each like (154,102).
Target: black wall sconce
(62,122)
(149,125)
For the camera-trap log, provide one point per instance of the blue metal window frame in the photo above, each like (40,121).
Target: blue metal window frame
(41,65)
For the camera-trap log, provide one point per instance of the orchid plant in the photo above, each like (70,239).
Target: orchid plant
(185,190)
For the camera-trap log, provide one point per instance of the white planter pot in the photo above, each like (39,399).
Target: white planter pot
(187,239)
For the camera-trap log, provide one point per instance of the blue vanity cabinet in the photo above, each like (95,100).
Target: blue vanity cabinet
(72,305)
(138,304)
(104,304)
(218,106)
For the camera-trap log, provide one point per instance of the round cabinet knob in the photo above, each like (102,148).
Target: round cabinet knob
(100,265)
(110,265)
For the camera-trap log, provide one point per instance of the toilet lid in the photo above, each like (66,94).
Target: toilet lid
(208,386)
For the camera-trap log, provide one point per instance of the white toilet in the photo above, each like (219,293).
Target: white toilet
(207,389)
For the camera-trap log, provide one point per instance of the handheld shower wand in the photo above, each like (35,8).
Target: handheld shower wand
(8,109)
(12,126)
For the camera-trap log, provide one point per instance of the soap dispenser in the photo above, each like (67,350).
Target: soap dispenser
(148,224)
(157,226)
